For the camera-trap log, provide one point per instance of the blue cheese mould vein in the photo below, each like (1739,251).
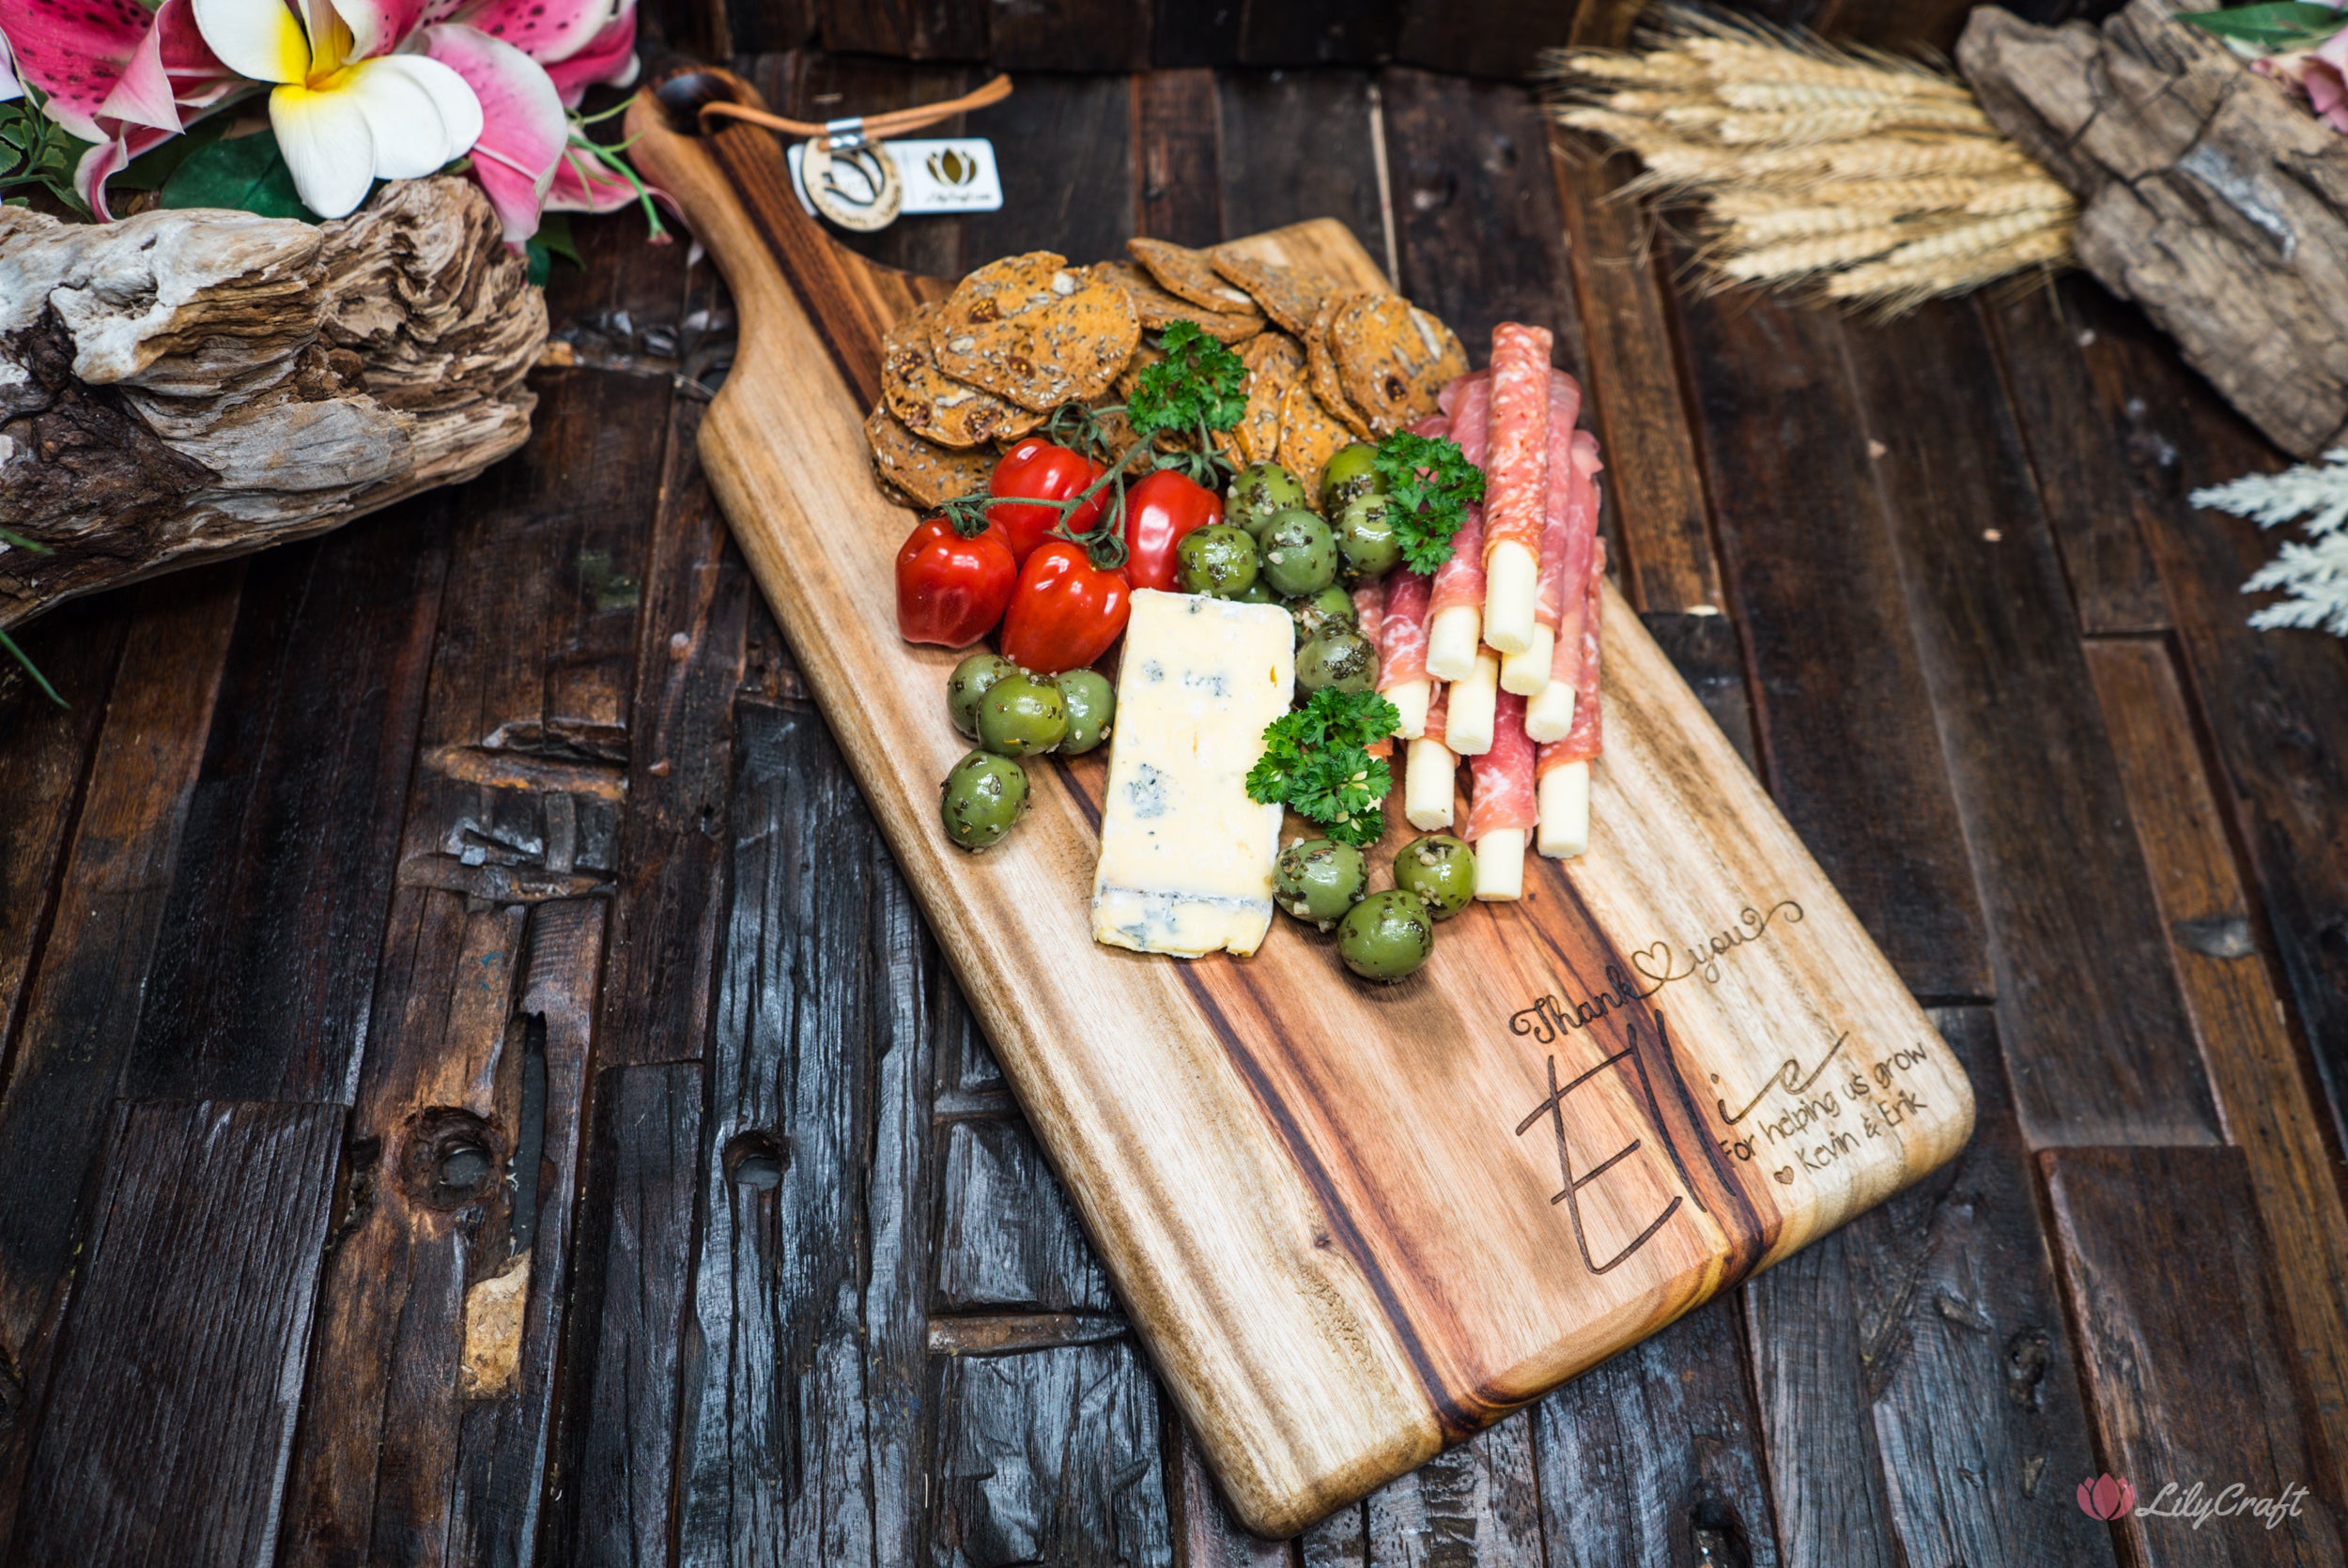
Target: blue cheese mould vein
(1186,858)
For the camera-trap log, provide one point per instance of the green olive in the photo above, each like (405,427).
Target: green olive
(1352,472)
(1217,559)
(969,683)
(1318,879)
(1332,607)
(1386,936)
(1022,714)
(983,796)
(1440,870)
(1337,658)
(1261,493)
(1091,706)
(1365,538)
(1257,592)
(1300,555)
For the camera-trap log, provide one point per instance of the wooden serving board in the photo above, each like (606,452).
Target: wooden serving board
(1351,1223)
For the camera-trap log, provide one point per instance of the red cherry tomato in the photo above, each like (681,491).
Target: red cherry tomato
(952,589)
(1037,468)
(1159,510)
(1065,611)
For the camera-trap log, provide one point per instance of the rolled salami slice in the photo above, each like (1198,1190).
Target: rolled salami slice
(1447,399)
(1402,650)
(1551,713)
(1562,768)
(1527,672)
(1455,607)
(1516,483)
(1503,806)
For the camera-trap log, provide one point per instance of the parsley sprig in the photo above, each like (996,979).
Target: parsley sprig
(1315,762)
(1199,386)
(1429,482)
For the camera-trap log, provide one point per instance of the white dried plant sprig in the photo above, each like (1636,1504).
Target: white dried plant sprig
(2313,575)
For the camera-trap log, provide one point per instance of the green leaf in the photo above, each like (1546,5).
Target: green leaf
(2275,28)
(554,233)
(1315,762)
(245,173)
(1199,382)
(1429,482)
(152,168)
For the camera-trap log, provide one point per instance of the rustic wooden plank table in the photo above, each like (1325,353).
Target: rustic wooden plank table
(474,1089)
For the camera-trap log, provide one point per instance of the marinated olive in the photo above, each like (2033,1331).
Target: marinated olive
(1352,472)
(1091,704)
(1217,559)
(1440,870)
(1318,879)
(1337,658)
(1021,714)
(1332,607)
(1261,493)
(983,796)
(1386,936)
(1300,555)
(1257,592)
(969,683)
(1366,540)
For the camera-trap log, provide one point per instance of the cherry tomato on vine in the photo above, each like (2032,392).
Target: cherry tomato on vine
(952,590)
(1065,611)
(1159,510)
(1042,470)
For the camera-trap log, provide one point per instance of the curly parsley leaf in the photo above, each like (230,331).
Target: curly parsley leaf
(1198,383)
(1429,482)
(1315,762)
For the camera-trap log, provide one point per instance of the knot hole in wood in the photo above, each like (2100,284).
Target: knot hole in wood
(755,1160)
(452,1160)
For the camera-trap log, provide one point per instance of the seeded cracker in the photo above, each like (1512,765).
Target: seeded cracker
(1160,310)
(1310,437)
(1290,298)
(1146,355)
(1035,330)
(930,473)
(934,405)
(1322,366)
(1190,275)
(1392,358)
(1274,364)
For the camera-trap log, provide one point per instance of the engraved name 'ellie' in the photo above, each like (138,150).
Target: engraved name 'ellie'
(1658,964)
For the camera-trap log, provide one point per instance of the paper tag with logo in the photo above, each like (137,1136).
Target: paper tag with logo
(941,175)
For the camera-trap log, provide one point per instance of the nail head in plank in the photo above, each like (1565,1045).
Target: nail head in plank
(168,1418)
(2190,1368)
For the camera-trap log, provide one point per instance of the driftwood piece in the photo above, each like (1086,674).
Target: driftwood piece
(181,386)
(2207,195)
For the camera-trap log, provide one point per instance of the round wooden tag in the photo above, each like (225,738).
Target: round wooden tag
(856,187)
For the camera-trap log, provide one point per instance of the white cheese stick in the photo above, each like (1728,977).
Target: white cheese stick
(1511,592)
(1409,700)
(1500,865)
(1429,781)
(1528,673)
(1452,637)
(1473,705)
(1549,713)
(1565,830)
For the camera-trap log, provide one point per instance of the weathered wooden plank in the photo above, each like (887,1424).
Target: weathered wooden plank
(267,953)
(612,1489)
(1840,705)
(1498,37)
(1051,1456)
(1706,651)
(1636,403)
(1176,124)
(1189,32)
(1082,208)
(1469,1507)
(82,1000)
(2274,703)
(689,658)
(164,1434)
(1206,1535)
(2257,1068)
(1318,33)
(1071,35)
(1267,117)
(1009,1238)
(2088,1006)
(1475,212)
(819,1032)
(2188,1365)
(1917,1361)
(2077,455)
(751,26)
(42,770)
(1654,1459)
(906,29)
(1339,1541)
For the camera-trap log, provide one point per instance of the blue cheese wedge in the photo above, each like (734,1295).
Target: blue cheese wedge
(1186,857)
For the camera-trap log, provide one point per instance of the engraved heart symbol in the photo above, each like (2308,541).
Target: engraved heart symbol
(1660,953)
(1785,1177)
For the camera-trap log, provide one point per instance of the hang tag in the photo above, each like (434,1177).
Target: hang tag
(941,175)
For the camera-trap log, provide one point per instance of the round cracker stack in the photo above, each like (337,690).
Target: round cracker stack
(1035,330)
(1190,275)
(931,404)
(1159,309)
(1392,358)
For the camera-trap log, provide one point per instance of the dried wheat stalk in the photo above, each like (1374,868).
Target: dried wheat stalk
(1840,173)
